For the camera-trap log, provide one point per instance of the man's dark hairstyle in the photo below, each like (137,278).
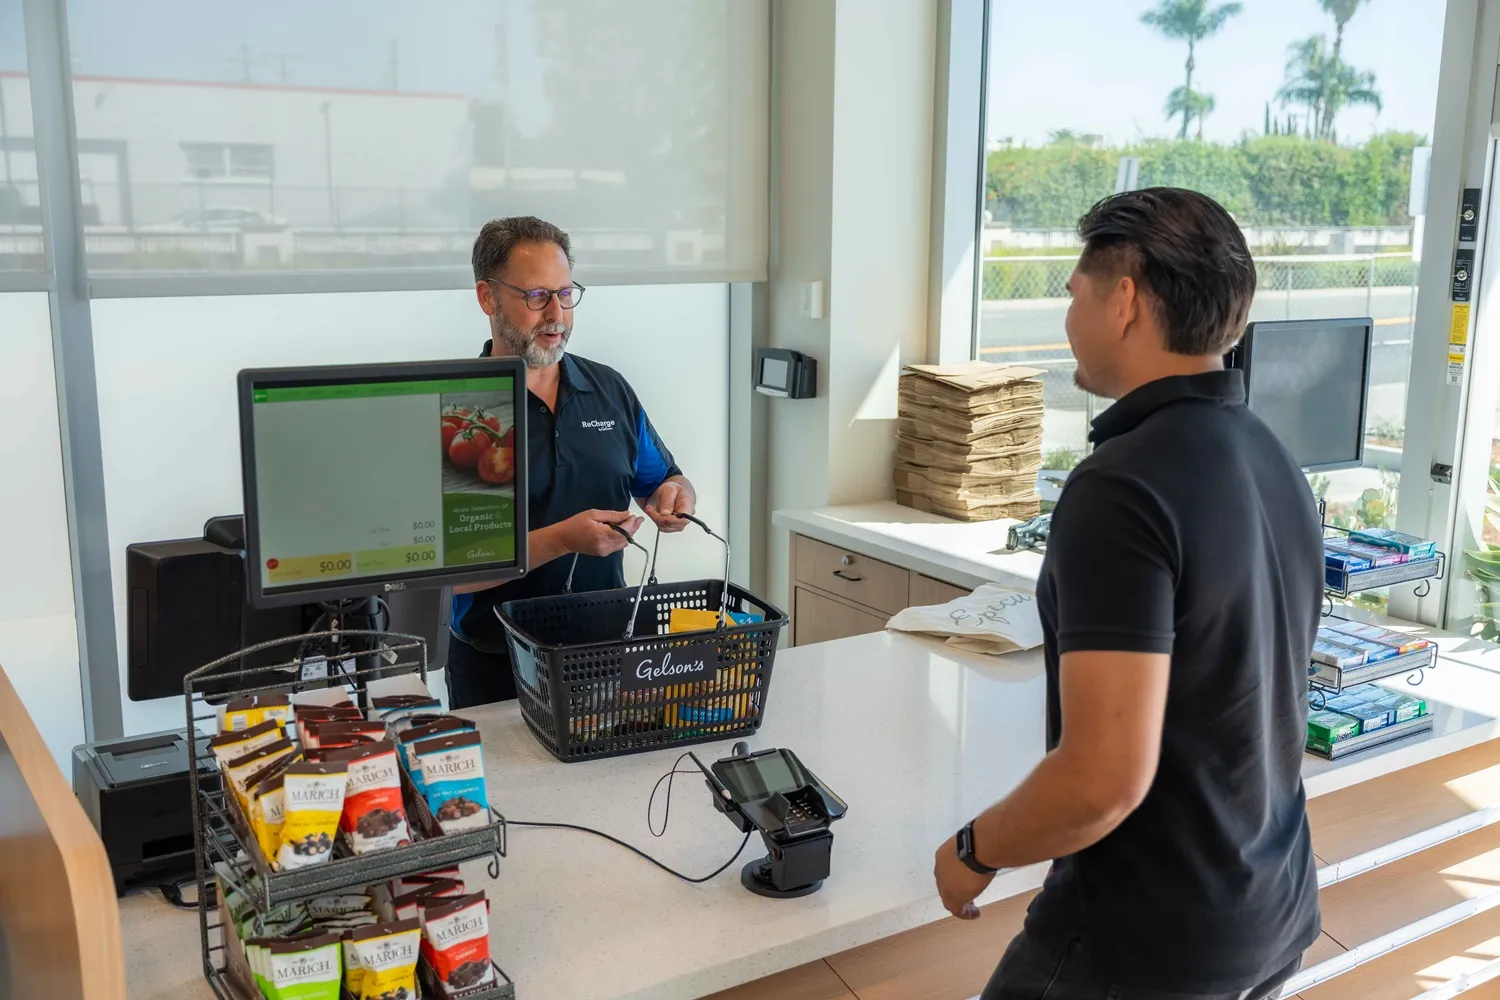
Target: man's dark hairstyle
(1185,252)
(498,238)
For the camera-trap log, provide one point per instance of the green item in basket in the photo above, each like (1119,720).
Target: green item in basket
(305,968)
(1330,727)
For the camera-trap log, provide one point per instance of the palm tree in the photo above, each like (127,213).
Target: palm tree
(1325,84)
(1349,86)
(1308,71)
(1191,21)
(1190,104)
(1342,12)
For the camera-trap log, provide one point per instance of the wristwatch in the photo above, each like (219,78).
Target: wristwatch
(966,851)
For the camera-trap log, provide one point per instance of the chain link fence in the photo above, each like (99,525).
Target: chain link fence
(1026,298)
(1046,277)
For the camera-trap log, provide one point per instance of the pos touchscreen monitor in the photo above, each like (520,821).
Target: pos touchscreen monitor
(360,480)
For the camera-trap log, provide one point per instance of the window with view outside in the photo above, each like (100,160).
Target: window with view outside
(20,201)
(1306,119)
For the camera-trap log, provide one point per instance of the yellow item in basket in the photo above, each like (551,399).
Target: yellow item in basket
(691,620)
(723,699)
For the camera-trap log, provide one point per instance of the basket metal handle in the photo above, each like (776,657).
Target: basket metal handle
(723,591)
(650,574)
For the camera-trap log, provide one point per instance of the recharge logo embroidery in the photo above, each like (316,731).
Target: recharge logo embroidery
(599,425)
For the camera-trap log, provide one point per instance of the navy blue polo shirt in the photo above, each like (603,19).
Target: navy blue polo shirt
(596,452)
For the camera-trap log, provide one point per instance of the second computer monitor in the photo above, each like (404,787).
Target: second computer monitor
(1309,380)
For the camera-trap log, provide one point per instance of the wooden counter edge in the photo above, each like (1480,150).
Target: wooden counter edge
(77,878)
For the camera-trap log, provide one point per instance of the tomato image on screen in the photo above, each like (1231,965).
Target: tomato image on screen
(440,493)
(477,437)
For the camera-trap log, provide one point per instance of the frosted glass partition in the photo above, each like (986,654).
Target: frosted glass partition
(166,370)
(38,636)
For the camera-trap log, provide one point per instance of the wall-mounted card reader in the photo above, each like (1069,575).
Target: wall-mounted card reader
(790,374)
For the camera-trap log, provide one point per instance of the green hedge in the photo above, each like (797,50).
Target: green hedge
(1262,180)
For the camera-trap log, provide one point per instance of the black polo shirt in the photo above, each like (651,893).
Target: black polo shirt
(596,452)
(1191,531)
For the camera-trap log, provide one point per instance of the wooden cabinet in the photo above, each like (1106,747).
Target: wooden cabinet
(818,618)
(854,577)
(925,591)
(837,592)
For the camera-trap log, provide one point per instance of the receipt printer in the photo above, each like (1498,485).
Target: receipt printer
(137,793)
(772,792)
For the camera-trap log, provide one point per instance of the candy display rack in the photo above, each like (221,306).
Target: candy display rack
(226,852)
(1326,681)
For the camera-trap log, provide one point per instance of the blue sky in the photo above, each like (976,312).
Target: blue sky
(1092,66)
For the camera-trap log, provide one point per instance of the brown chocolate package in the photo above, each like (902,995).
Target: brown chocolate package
(374,813)
(339,728)
(409,904)
(226,746)
(456,942)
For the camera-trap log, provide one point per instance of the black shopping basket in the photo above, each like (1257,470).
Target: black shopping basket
(590,687)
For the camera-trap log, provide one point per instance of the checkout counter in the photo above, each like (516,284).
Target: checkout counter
(916,737)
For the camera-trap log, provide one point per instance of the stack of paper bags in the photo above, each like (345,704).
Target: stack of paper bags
(969,440)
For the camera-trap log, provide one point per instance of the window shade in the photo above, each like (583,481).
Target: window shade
(342,135)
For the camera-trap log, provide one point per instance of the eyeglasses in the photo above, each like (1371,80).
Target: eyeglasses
(538,298)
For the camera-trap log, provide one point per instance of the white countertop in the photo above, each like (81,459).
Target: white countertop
(968,554)
(917,738)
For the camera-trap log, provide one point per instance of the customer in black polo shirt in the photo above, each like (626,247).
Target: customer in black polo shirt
(590,447)
(1179,599)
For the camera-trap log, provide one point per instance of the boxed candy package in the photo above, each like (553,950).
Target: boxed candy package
(1386,538)
(1370,716)
(1330,727)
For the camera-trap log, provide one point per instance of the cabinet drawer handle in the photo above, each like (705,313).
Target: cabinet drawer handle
(844,576)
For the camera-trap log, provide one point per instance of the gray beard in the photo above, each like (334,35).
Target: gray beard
(524,346)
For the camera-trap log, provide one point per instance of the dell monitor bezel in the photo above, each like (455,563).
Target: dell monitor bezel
(367,586)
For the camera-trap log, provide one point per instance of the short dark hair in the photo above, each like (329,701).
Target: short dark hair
(1185,252)
(499,237)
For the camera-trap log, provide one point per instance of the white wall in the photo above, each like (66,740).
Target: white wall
(166,370)
(853,210)
(38,637)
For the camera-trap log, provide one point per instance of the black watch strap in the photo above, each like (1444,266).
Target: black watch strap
(966,851)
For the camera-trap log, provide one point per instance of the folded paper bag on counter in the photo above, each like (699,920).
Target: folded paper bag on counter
(993,619)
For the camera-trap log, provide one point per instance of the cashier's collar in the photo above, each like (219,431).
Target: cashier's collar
(1226,388)
(574,378)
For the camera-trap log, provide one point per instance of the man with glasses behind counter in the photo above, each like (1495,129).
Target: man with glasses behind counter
(590,446)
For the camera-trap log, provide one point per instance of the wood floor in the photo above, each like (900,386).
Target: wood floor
(953,959)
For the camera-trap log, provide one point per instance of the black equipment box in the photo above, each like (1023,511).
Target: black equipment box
(137,793)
